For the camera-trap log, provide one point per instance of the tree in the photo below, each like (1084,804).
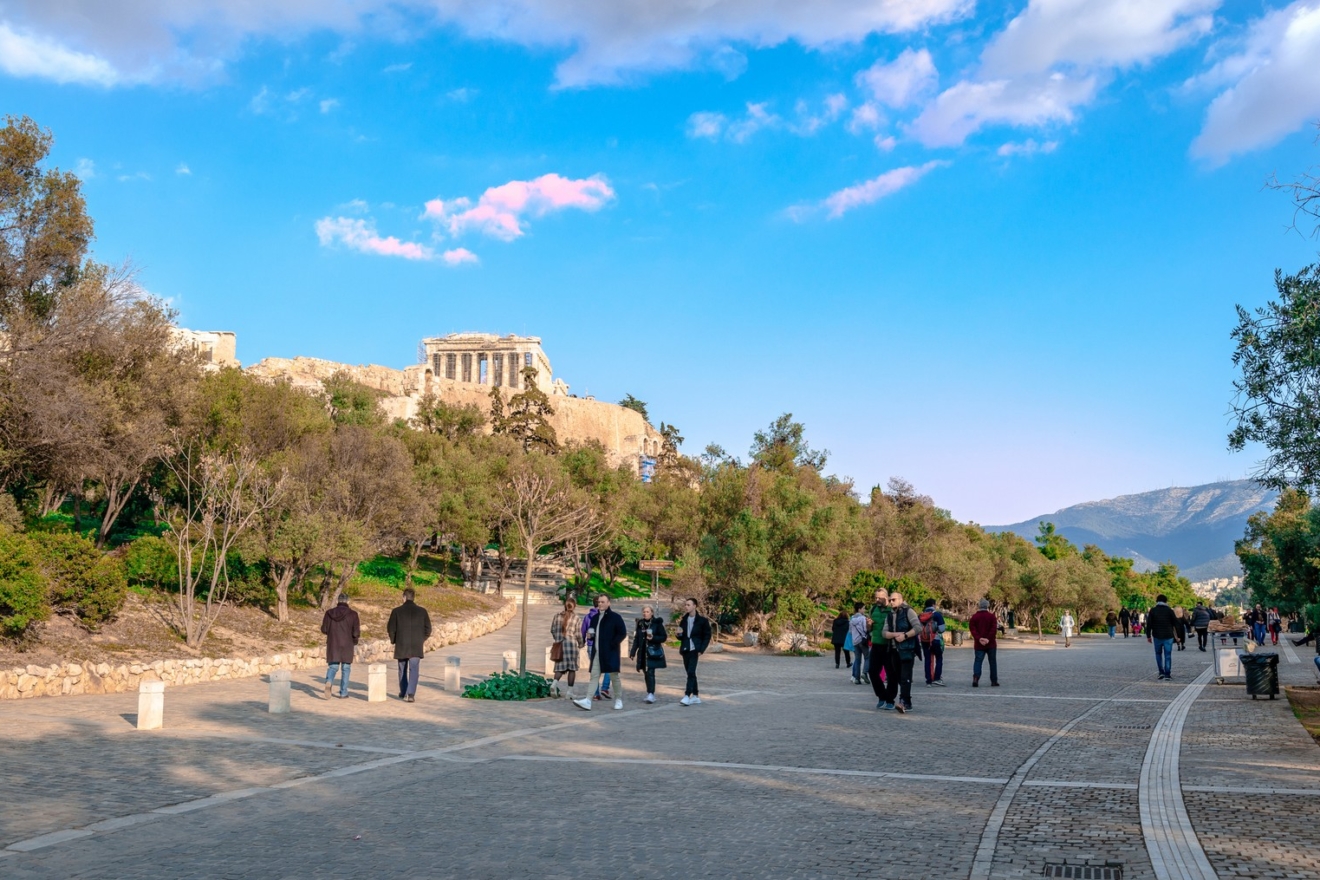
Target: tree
(352,403)
(1053,546)
(44,227)
(670,440)
(784,443)
(541,508)
(220,496)
(1280,553)
(1305,192)
(632,403)
(1277,400)
(528,417)
(452,421)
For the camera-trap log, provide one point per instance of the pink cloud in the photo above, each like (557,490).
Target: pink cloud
(502,211)
(361,236)
(459,256)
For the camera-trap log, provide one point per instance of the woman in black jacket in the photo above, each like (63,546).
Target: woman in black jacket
(648,647)
(839,636)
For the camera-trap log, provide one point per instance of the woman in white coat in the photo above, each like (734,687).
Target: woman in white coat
(1066,624)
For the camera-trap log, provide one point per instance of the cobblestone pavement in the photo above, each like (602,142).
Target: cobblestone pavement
(785,770)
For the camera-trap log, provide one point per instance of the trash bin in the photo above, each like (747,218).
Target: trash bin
(1262,674)
(955,637)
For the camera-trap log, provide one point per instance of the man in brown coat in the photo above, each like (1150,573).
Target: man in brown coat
(342,631)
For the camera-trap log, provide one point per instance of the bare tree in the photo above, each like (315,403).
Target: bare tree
(1305,192)
(541,508)
(220,496)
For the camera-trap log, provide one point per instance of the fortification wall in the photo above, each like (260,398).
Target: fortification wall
(622,431)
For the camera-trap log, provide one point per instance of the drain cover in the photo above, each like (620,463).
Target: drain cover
(1107,871)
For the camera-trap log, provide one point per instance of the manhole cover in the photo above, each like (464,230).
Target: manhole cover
(1107,871)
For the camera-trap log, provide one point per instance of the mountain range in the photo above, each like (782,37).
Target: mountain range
(1192,527)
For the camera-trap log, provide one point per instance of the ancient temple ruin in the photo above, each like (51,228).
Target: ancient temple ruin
(490,360)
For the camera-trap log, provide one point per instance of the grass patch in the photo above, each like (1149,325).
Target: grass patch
(1305,702)
(622,588)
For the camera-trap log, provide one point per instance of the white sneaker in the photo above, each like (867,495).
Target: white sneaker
(584,703)
(696,701)
(686,701)
(618,704)
(650,698)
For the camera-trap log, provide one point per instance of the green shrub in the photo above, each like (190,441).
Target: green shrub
(23,585)
(82,580)
(509,686)
(152,562)
(10,516)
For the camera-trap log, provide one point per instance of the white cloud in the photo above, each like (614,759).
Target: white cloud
(398,68)
(865,117)
(885,144)
(1029,147)
(329,104)
(459,256)
(360,235)
(85,169)
(32,55)
(183,169)
(461,95)
(168,40)
(706,125)
(1095,34)
(868,192)
(969,106)
(1275,84)
(898,83)
(716,125)
(809,121)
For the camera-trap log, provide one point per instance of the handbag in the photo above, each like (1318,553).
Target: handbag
(655,652)
(557,652)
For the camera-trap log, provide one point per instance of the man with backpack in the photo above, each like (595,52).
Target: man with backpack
(931,639)
(901,630)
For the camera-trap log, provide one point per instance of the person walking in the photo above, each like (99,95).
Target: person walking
(648,646)
(409,627)
(608,634)
(1273,623)
(1160,631)
(1200,621)
(1180,626)
(839,638)
(902,628)
(342,629)
(1066,624)
(1258,625)
(983,627)
(859,630)
(1111,621)
(693,639)
(1125,618)
(589,639)
(884,678)
(565,629)
(931,640)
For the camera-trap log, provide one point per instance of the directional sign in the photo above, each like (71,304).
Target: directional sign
(656,565)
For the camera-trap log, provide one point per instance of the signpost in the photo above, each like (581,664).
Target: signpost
(655,566)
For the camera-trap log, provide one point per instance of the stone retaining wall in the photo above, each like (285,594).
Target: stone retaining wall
(104,678)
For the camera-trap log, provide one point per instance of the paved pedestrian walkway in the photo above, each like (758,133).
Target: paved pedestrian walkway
(785,770)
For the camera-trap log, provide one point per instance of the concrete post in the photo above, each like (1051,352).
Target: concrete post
(280,690)
(510,661)
(376,683)
(151,705)
(549,664)
(453,675)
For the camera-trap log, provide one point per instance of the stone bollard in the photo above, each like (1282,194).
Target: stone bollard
(510,661)
(453,675)
(280,688)
(376,683)
(549,664)
(151,705)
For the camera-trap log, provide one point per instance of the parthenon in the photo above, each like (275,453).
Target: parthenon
(491,360)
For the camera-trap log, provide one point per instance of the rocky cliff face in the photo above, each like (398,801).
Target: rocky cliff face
(623,432)
(1192,527)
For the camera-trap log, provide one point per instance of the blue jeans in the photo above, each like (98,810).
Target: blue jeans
(409,670)
(1111,632)
(1258,633)
(343,682)
(860,662)
(1164,655)
(933,664)
(981,654)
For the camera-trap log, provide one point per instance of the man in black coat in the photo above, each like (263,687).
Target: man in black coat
(609,633)
(409,628)
(1125,618)
(693,639)
(342,630)
(1161,630)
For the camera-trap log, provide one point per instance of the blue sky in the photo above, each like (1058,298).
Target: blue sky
(991,248)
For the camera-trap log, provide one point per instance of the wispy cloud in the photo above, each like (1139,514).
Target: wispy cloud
(459,256)
(183,168)
(85,169)
(969,106)
(461,95)
(26,54)
(1029,147)
(502,211)
(329,104)
(808,118)
(397,68)
(360,235)
(868,192)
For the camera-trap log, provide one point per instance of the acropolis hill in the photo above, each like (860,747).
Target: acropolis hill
(461,368)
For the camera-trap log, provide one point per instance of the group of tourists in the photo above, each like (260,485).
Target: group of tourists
(409,627)
(1264,623)
(1184,623)
(881,646)
(602,632)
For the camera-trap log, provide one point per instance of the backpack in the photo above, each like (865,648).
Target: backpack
(930,630)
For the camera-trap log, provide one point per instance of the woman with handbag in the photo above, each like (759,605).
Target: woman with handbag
(565,629)
(648,647)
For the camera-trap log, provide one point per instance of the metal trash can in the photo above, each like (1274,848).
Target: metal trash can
(1262,674)
(1226,647)
(955,637)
